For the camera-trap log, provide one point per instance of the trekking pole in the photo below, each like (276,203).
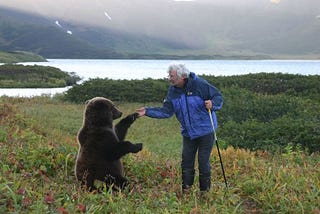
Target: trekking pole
(216,139)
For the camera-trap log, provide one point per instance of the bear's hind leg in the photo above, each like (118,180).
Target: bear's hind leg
(87,181)
(116,181)
(121,182)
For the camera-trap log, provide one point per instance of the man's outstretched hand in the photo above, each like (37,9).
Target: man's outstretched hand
(141,111)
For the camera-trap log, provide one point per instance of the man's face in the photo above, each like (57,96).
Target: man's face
(175,80)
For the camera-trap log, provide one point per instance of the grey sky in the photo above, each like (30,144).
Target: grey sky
(150,11)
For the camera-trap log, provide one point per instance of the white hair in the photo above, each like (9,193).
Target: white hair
(180,68)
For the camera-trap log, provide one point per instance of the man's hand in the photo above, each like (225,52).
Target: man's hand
(208,104)
(141,111)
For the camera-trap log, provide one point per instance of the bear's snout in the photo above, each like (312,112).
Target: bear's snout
(116,114)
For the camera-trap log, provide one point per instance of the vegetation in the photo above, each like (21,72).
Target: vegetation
(147,90)
(261,111)
(34,76)
(38,151)
(20,56)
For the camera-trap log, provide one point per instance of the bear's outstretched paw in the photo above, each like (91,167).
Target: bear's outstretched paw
(136,147)
(135,116)
(131,117)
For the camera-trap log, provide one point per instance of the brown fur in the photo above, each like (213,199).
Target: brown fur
(102,145)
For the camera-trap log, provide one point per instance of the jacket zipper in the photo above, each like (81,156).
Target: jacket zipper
(187,106)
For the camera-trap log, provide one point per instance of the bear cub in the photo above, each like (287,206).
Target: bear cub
(102,144)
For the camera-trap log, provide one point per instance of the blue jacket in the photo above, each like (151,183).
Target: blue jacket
(188,105)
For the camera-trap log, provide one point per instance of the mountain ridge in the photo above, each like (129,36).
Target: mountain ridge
(21,31)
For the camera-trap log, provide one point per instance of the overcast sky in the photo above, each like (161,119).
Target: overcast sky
(167,18)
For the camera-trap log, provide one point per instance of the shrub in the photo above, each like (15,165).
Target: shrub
(260,111)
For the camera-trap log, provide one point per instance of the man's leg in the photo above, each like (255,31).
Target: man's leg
(189,151)
(205,148)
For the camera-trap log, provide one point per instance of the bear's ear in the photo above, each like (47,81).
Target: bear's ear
(86,102)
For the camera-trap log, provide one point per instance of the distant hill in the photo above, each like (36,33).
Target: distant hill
(20,31)
(20,56)
(238,40)
(23,32)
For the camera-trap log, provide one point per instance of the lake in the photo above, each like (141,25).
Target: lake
(156,69)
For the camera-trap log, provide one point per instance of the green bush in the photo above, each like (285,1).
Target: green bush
(272,83)
(147,90)
(34,76)
(260,111)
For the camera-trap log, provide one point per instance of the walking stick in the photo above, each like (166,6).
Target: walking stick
(216,140)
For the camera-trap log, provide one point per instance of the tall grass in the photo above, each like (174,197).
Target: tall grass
(38,151)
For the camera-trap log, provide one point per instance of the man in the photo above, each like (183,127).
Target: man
(190,97)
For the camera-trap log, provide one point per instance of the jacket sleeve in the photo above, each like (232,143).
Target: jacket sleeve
(214,95)
(165,111)
(217,99)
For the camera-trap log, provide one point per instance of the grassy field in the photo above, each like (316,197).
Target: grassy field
(38,150)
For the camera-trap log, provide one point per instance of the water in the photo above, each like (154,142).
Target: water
(156,69)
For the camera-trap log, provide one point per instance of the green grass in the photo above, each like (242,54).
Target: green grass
(38,150)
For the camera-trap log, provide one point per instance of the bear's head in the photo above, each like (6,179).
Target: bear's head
(100,111)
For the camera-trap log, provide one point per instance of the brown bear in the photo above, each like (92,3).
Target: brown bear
(102,144)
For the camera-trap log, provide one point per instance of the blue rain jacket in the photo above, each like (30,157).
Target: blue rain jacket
(188,105)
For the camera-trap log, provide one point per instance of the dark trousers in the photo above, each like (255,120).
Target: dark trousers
(203,145)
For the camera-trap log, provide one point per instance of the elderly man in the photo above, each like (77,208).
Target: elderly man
(190,97)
